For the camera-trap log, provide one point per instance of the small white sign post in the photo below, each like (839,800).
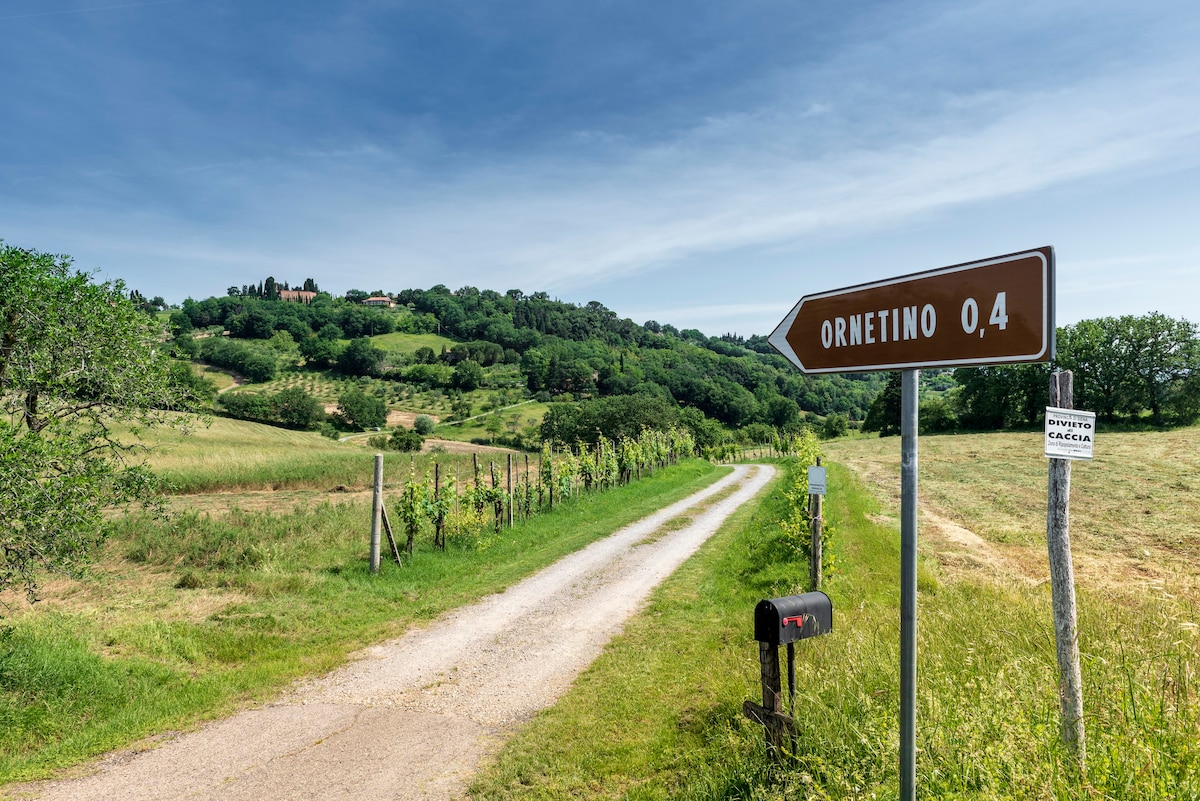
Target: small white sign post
(816,491)
(1069,434)
(816,480)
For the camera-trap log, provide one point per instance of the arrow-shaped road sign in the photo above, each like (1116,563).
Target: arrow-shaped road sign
(993,311)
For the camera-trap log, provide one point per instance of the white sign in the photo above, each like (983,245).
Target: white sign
(816,480)
(1070,434)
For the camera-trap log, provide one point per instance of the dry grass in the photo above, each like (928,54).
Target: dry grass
(1135,509)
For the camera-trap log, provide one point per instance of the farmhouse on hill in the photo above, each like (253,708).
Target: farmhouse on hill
(296,295)
(379,300)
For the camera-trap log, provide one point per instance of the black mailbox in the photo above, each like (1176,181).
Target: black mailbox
(797,617)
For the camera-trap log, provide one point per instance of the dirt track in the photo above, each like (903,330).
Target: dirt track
(412,718)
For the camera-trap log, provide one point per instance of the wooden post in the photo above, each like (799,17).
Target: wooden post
(439,535)
(509,480)
(1062,585)
(387,528)
(498,504)
(770,715)
(376,512)
(815,556)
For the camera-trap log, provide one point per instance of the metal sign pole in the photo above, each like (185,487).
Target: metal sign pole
(908,584)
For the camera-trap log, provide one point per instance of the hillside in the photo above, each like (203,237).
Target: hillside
(457,355)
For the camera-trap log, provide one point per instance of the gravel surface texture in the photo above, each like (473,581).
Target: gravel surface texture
(413,717)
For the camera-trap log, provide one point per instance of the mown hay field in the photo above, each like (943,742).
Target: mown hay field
(1135,509)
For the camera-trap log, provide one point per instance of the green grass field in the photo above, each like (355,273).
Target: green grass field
(408,343)
(658,716)
(520,417)
(232,600)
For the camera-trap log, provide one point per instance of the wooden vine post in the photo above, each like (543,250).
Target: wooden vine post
(376,512)
(510,491)
(818,522)
(439,533)
(1062,584)
(497,501)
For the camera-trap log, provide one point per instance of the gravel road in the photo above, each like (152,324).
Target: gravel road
(412,718)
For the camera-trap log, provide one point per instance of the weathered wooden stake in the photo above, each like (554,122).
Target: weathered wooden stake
(815,555)
(376,512)
(498,504)
(387,527)
(779,727)
(510,494)
(1062,585)
(439,535)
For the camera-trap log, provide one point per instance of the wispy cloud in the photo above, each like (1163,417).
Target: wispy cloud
(91,9)
(392,166)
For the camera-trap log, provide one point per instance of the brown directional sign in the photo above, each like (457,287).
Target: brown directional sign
(993,311)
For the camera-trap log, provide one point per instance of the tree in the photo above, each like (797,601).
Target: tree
(468,375)
(781,412)
(77,359)
(330,331)
(361,410)
(1166,354)
(494,425)
(836,425)
(423,424)
(295,408)
(403,439)
(320,353)
(884,414)
(360,358)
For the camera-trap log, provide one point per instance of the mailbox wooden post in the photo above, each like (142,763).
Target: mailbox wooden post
(770,714)
(783,621)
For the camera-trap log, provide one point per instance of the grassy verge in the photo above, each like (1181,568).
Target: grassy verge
(658,716)
(190,621)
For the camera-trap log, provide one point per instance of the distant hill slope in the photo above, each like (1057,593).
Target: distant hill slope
(554,348)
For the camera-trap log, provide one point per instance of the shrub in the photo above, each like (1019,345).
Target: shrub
(836,425)
(361,410)
(401,439)
(423,424)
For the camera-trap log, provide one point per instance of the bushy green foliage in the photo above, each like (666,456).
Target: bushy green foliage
(401,439)
(252,362)
(884,414)
(1123,367)
(423,424)
(295,408)
(321,352)
(292,407)
(836,425)
(613,417)
(75,358)
(360,358)
(202,389)
(468,376)
(360,410)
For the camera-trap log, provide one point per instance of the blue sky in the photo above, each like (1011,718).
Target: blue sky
(699,164)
